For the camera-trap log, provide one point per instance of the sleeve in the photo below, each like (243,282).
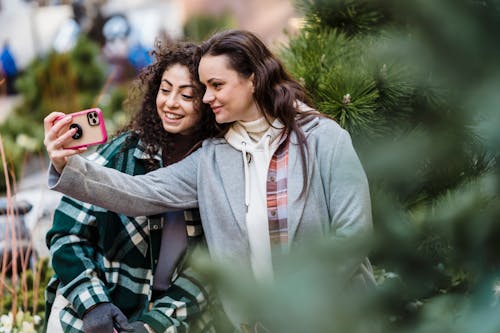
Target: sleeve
(169,188)
(180,305)
(72,243)
(349,206)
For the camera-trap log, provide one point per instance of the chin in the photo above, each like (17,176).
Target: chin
(170,129)
(222,120)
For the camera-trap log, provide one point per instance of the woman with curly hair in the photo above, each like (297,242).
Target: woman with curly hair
(114,271)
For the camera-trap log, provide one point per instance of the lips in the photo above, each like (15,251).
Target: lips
(216,109)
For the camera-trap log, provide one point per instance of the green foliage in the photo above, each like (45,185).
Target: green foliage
(351,17)
(363,95)
(44,276)
(65,82)
(117,98)
(200,27)
(335,76)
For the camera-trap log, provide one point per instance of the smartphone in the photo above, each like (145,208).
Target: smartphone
(90,129)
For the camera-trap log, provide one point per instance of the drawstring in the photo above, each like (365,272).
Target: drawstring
(247,174)
(246,161)
(266,145)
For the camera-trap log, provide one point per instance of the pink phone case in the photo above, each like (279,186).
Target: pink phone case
(91,129)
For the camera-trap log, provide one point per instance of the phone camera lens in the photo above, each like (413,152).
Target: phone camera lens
(79,132)
(92,118)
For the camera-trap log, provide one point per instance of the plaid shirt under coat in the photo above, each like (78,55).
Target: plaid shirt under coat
(100,256)
(277,197)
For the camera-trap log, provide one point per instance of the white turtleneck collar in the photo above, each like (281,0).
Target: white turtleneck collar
(256,128)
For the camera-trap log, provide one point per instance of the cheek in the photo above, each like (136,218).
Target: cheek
(159,101)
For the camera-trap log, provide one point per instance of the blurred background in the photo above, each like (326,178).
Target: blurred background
(415,83)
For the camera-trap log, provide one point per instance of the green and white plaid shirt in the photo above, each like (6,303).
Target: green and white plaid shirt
(100,256)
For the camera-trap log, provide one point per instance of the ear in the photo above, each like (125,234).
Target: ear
(251,80)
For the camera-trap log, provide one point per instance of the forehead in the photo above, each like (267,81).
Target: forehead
(213,66)
(177,73)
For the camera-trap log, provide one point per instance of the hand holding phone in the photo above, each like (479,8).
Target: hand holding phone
(90,129)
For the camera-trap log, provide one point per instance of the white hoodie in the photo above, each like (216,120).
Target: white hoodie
(257,142)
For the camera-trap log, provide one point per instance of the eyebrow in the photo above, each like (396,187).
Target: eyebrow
(181,86)
(212,79)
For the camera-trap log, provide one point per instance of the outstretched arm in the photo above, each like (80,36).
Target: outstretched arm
(165,189)
(171,188)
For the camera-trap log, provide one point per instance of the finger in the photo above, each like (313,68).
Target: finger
(60,125)
(49,120)
(121,322)
(54,131)
(63,153)
(70,152)
(54,142)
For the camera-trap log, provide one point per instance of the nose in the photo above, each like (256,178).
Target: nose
(171,101)
(208,97)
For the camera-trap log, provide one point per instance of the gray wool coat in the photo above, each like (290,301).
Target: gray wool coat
(336,203)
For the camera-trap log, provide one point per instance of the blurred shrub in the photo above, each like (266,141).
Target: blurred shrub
(415,83)
(34,290)
(201,26)
(65,82)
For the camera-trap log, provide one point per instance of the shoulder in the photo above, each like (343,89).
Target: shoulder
(323,128)
(328,138)
(210,143)
(329,125)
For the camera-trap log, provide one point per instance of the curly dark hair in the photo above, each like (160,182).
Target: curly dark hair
(145,124)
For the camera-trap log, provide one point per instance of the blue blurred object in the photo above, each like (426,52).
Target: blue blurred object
(9,68)
(8,62)
(139,56)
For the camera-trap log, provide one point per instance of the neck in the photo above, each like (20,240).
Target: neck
(177,147)
(255,128)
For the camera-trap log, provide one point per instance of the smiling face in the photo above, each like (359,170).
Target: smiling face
(229,94)
(174,101)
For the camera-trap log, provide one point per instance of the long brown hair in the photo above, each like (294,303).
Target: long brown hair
(275,91)
(145,124)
